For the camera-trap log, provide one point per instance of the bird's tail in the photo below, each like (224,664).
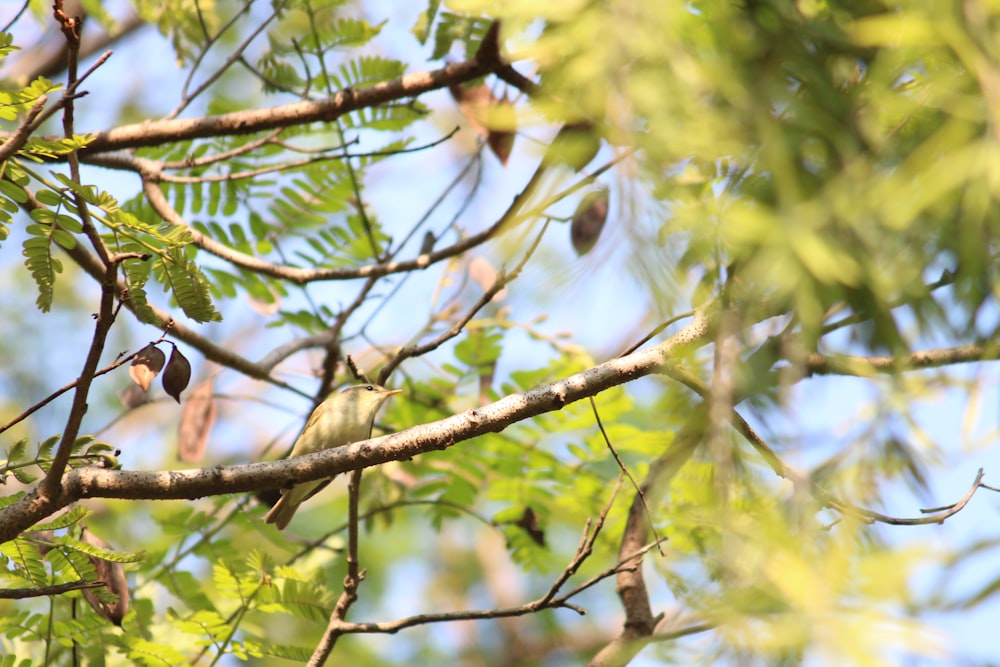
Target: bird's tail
(282,512)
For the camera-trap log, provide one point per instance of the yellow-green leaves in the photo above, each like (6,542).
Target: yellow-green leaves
(14,103)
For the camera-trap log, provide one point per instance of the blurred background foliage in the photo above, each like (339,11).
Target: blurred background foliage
(819,176)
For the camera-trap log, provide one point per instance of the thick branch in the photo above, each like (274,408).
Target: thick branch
(51,486)
(839,364)
(158,132)
(439,435)
(509,220)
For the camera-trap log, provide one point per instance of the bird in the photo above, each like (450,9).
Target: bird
(341,419)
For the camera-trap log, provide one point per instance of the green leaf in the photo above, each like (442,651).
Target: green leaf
(70,224)
(345,32)
(479,347)
(49,197)
(15,192)
(64,520)
(98,552)
(368,70)
(27,559)
(187,284)
(18,451)
(425,21)
(141,651)
(38,260)
(64,239)
(452,28)
(23,476)
(45,447)
(42,215)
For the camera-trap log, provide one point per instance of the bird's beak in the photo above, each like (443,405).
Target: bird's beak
(394,391)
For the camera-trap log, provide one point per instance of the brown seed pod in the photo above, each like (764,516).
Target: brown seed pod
(112,575)
(588,221)
(197,419)
(472,103)
(493,118)
(501,143)
(177,375)
(146,365)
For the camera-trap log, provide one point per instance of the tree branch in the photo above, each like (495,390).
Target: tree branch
(51,486)
(158,132)
(349,594)
(639,620)
(187,484)
(14,142)
(841,364)
(45,591)
(222,355)
(824,497)
(392,627)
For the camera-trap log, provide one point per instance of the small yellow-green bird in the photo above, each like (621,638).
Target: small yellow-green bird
(341,419)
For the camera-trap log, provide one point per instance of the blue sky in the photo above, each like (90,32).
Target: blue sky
(570,291)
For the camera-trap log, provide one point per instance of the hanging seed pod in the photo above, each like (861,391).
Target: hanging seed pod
(472,103)
(177,375)
(503,123)
(493,118)
(197,419)
(501,143)
(146,365)
(112,575)
(588,221)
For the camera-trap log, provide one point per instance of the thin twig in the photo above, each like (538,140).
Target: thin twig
(625,471)
(349,594)
(44,591)
(534,606)
(502,280)
(62,390)
(585,548)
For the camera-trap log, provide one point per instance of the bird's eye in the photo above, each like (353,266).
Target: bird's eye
(370,388)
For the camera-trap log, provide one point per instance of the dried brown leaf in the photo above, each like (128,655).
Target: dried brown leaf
(529,522)
(197,419)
